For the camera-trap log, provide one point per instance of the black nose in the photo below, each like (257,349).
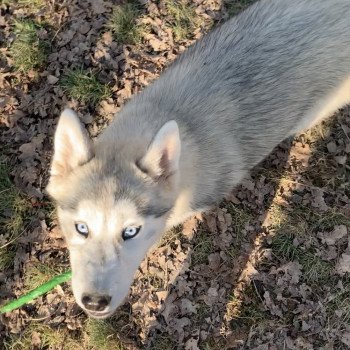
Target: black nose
(95,302)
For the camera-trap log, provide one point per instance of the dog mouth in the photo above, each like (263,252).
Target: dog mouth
(99,314)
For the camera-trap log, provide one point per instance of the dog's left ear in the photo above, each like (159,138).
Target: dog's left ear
(163,154)
(72,148)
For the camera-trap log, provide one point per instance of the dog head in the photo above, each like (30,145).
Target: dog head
(113,201)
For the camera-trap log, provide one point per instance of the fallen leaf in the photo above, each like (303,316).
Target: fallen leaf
(51,79)
(192,344)
(187,307)
(36,340)
(343,265)
(345,338)
(331,238)
(332,147)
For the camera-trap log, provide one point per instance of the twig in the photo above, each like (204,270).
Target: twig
(15,238)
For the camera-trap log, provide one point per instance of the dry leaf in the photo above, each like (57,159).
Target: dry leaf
(330,238)
(51,79)
(343,265)
(332,147)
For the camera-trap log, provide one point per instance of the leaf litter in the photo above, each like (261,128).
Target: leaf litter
(267,269)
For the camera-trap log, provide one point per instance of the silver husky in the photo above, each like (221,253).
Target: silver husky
(184,142)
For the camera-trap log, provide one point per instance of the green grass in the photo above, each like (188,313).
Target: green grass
(39,273)
(315,269)
(170,236)
(33,5)
(50,339)
(338,308)
(241,217)
(14,212)
(214,343)
(28,51)
(124,26)
(283,246)
(184,19)
(27,4)
(303,221)
(341,301)
(97,335)
(202,312)
(7,256)
(202,248)
(246,311)
(303,224)
(236,6)
(163,342)
(102,335)
(323,171)
(84,86)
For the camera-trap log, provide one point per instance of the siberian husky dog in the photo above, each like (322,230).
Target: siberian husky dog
(183,143)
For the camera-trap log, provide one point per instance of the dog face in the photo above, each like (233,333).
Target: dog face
(112,208)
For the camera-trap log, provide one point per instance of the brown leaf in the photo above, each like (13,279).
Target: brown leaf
(343,265)
(51,79)
(301,153)
(248,184)
(98,6)
(330,238)
(212,296)
(274,309)
(332,147)
(318,199)
(214,261)
(341,159)
(345,338)
(189,227)
(178,324)
(192,344)
(28,150)
(36,341)
(157,45)
(187,307)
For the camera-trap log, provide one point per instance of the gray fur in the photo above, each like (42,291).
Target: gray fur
(242,89)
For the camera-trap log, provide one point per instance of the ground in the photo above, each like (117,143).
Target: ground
(267,269)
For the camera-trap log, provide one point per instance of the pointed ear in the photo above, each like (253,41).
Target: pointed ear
(72,146)
(162,157)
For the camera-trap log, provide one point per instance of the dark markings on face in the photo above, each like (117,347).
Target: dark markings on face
(148,201)
(156,211)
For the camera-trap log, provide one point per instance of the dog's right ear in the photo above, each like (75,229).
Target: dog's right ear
(161,160)
(72,148)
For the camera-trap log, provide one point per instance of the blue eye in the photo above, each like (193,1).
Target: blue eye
(82,228)
(130,232)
